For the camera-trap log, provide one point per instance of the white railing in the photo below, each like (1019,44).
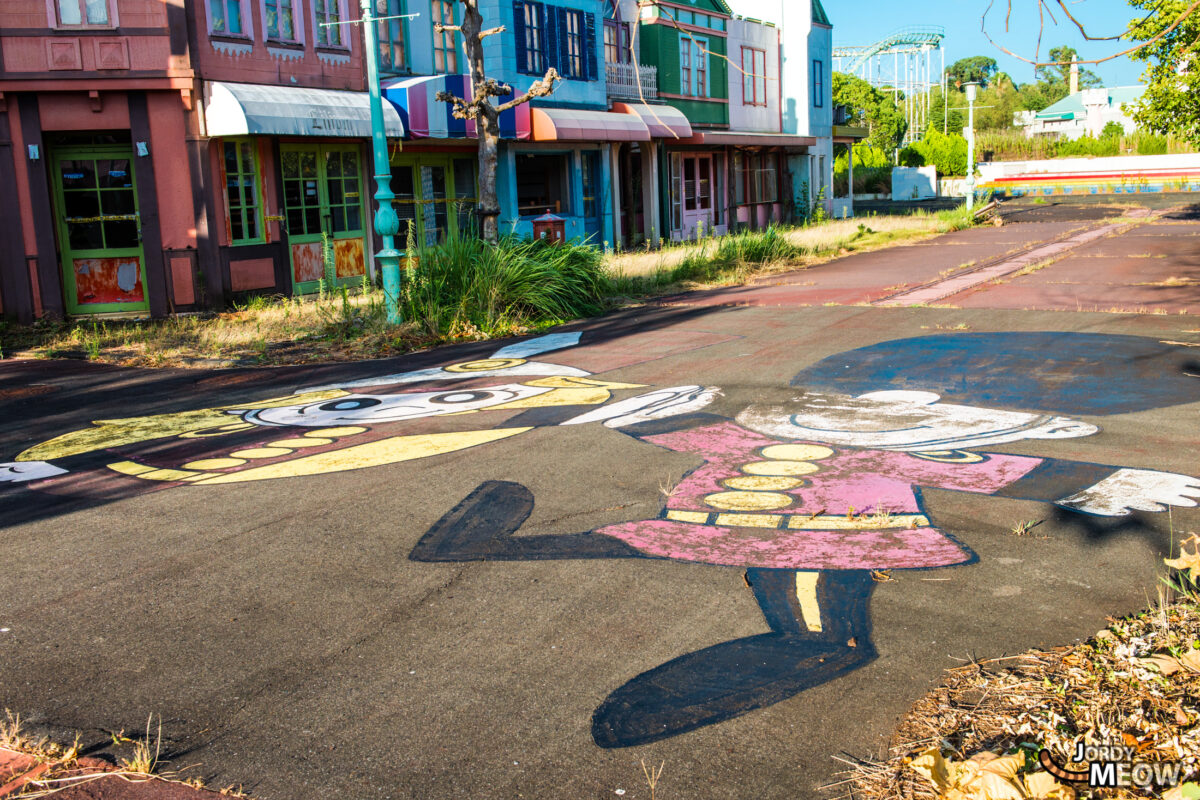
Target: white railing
(624,79)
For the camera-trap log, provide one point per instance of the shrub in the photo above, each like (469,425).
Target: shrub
(465,286)
(946,152)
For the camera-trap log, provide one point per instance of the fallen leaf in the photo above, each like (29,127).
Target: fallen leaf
(1163,663)
(1043,786)
(1189,561)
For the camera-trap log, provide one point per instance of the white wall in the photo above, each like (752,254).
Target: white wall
(759,118)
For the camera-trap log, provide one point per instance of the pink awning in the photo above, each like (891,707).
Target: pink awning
(577,125)
(742,139)
(664,122)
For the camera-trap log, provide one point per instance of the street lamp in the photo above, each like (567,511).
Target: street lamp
(387,224)
(971,88)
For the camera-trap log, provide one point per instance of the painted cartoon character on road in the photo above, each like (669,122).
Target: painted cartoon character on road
(352,424)
(811,495)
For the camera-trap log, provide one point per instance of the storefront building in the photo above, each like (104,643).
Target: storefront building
(96,108)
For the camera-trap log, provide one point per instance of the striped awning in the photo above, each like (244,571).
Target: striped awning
(426,117)
(578,125)
(663,122)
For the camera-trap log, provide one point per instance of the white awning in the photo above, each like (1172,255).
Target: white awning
(237,109)
(664,122)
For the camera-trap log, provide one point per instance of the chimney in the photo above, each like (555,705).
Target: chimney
(1074,74)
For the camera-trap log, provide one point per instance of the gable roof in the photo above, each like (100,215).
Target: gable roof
(1071,106)
(818,14)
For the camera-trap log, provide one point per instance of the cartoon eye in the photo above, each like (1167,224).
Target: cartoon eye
(356,404)
(455,398)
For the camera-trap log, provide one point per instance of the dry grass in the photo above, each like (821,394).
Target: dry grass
(1134,683)
(821,242)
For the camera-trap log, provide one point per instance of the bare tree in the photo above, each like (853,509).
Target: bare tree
(484,112)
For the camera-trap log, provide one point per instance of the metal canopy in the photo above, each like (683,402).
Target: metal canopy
(238,109)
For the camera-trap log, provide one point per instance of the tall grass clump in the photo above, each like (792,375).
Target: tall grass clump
(736,256)
(466,287)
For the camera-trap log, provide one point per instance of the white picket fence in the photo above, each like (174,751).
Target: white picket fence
(623,81)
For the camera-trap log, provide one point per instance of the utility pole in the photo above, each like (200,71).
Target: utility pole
(971,87)
(387,224)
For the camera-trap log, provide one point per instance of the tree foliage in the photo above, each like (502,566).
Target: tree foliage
(1059,74)
(1171,103)
(871,108)
(979,69)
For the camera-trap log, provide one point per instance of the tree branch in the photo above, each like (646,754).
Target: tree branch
(440,28)
(540,88)
(491,32)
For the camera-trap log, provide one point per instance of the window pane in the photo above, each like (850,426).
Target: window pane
(235,17)
(97,12)
(80,204)
(68,12)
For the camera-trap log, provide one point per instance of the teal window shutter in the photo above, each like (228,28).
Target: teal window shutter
(519,35)
(550,44)
(589,48)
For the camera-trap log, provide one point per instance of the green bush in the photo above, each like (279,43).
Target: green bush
(1150,145)
(946,152)
(465,286)
(1112,130)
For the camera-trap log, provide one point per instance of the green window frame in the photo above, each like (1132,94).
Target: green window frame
(393,36)
(243,201)
(445,52)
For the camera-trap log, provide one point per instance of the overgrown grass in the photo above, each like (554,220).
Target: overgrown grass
(460,291)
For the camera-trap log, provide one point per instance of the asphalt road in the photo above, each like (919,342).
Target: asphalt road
(295,588)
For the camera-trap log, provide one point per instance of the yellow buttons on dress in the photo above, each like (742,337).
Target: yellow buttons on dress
(763,483)
(780,468)
(796,452)
(748,501)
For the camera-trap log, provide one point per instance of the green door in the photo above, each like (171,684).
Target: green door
(322,199)
(99,233)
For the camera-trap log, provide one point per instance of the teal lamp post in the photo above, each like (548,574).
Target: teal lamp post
(387,224)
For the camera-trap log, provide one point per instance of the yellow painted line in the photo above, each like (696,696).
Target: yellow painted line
(806,593)
(699,517)
(371,454)
(750,520)
(865,523)
(152,474)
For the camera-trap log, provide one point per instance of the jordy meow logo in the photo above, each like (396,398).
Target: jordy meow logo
(1112,766)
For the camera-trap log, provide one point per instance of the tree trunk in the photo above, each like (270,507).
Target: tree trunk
(486,123)
(488,207)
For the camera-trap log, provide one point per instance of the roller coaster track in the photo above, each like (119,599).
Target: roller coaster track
(906,40)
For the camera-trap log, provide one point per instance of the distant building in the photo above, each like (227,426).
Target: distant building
(1082,113)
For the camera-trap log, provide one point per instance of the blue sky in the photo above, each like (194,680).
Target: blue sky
(866,21)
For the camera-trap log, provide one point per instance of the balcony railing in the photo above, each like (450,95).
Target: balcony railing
(624,81)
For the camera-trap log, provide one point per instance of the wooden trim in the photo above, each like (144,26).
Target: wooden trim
(177,27)
(70,82)
(14,272)
(682,7)
(724,100)
(49,272)
(212,286)
(157,278)
(683,26)
(283,258)
(13,33)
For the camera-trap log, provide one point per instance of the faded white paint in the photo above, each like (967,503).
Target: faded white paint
(1128,490)
(23,471)
(652,405)
(905,421)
